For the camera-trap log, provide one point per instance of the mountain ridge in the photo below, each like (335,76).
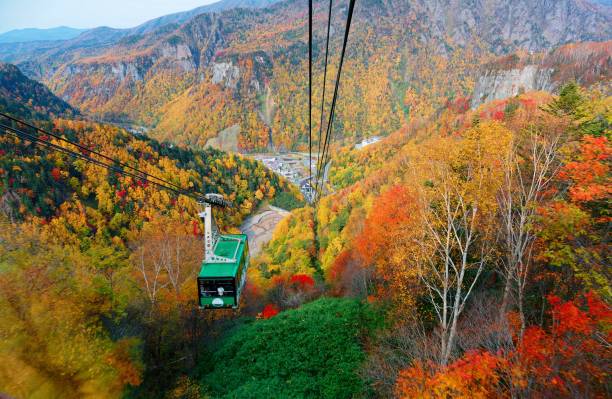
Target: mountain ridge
(28,98)
(105,35)
(183,16)
(174,76)
(37,34)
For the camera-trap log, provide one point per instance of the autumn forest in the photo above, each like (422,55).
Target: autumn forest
(463,252)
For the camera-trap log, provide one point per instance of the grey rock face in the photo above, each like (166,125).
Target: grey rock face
(226,73)
(587,63)
(509,24)
(180,55)
(123,70)
(497,85)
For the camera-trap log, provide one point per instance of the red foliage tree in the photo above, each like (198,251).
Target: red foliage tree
(498,115)
(569,359)
(302,281)
(56,173)
(270,310)
(588,175)
(459,105)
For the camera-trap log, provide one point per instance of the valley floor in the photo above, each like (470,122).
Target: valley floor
(260,226)
(292,165)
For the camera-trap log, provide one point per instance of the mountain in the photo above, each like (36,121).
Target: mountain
(587,63)
(28,98)
(41,40)
(248,66)
(181,17)
(33,34)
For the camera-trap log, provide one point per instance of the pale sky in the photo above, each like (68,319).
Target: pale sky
(17,14)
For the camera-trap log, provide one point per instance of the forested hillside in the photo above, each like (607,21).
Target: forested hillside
(28,98)
(248,67)
(484,237)
(91,298)
(479,242)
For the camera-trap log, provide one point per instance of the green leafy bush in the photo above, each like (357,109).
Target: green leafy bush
(310,352)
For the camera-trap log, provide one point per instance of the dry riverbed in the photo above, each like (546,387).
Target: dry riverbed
(260,226)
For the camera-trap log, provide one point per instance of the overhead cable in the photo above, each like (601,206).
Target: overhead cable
(51,146)
(88,150)
(334,99)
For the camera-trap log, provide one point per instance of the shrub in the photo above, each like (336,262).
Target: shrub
(310,352)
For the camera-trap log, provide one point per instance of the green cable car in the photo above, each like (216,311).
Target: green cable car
(226,259)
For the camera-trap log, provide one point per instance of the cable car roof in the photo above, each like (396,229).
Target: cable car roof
(233,245)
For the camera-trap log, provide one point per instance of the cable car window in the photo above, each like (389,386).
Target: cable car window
(217,287)
(239,273)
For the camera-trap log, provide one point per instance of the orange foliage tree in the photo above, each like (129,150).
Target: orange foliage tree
(589,173)
(568,359)
(389,229)
(575,224)
(473,376)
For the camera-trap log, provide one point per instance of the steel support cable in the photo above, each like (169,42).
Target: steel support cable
(329,16)
(37,140)
(335,97)
(333,105)
(310,92)
(51,146)
(81,147)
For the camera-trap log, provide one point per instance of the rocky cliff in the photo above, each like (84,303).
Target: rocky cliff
(587,63)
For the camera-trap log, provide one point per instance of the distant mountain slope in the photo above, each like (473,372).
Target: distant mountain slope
(29,186)
(248,66)
(24,44)
(33,34)
(181,17)
(28,98)
(587,63)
